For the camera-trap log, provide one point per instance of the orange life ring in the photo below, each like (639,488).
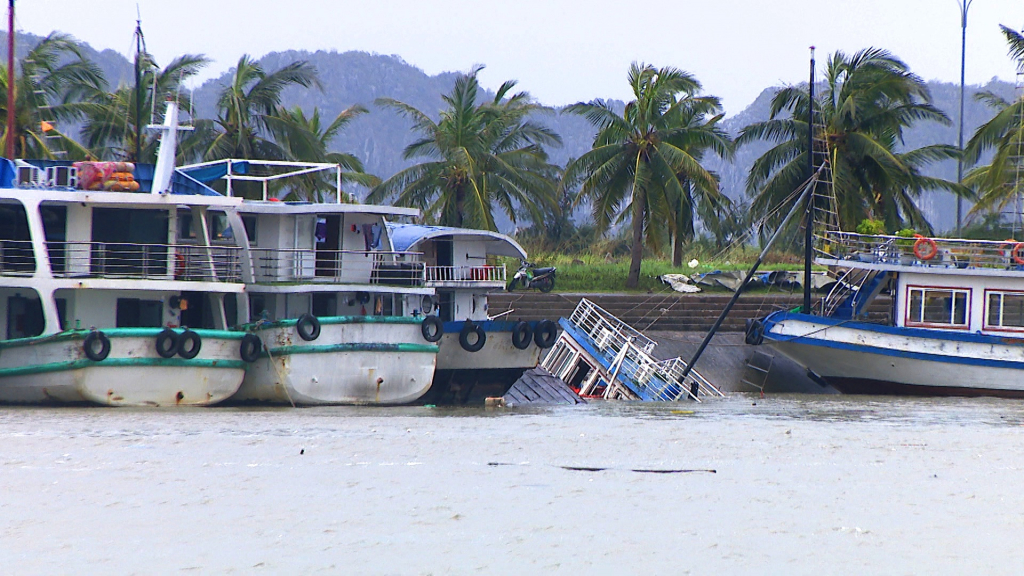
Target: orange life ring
(1018,253)
(932,249)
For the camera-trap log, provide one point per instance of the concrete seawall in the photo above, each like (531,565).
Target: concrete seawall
(678,322)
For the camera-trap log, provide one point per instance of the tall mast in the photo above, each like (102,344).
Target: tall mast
(11,129)
(140,42)
(809,216)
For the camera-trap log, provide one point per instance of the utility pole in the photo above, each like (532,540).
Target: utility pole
(809,216)
(11,128)
(964,6)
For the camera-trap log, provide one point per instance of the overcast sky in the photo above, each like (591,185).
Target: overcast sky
(562,51)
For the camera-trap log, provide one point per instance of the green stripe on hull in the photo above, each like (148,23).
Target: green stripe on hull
(353,347)
(328,320)
(115,333)
(120,362)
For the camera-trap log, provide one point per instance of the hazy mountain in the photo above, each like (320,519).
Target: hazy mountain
(378,138)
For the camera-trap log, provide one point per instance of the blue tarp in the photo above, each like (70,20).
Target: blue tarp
(7,173)
(206,174)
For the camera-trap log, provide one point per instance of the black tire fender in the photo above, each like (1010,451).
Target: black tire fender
(308,327)
(522,335)
(189,344)
(472,328)
(89,346)
(432,328)
(545,333)
(167,343)
(250,347)
(754,332)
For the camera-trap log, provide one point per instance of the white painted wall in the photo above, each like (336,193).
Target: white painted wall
(976,284)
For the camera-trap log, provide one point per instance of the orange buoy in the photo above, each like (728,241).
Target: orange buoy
(925,248)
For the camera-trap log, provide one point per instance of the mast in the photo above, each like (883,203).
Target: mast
(11,130)
(809,215)
(140,42)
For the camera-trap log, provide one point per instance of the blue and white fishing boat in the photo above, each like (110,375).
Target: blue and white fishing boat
(957,318)
(481,355)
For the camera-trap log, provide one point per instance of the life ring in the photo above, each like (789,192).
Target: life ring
(167,343)
(1018,253)
(308,327)
(189,344)
(250,348)
(472,328)
(432,328)
(928,253)
(427,304)
(544,334)
(522,335)
(89,346)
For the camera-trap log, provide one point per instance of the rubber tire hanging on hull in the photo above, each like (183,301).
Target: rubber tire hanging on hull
(481,337)
(432,328)
(545,334)
(189,344)
(167,343)
(88,346)
(308,327)
(754,332)
(522,335)
(250,347)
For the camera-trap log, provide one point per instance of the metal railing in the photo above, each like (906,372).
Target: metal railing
(898,251)
(465,274)
(277,265)
(145,261)
(633,365)
(17,258)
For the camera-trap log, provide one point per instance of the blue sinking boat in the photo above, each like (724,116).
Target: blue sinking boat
(598,355)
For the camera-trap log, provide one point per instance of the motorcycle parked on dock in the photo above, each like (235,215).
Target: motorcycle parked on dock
(529,276)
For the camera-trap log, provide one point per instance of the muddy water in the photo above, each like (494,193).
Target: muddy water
(802,485)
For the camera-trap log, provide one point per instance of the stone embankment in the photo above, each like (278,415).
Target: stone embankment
(660,311)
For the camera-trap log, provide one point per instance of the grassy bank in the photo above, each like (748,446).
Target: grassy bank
(586,273)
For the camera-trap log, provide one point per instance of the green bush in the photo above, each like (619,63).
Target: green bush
(871,227)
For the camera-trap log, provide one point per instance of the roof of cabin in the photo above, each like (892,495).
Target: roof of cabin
(405,237)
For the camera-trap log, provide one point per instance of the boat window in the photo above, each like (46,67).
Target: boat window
(1005,310)
(937,307)
(15,244)
(138,313)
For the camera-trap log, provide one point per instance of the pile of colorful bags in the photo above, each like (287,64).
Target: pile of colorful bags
(113,176)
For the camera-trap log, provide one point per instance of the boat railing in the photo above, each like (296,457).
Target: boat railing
(287,265)
(125,260)
(17,258)
(465,275)
(607,330)
(921,251)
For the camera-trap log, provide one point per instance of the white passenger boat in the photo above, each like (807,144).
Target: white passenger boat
(481,355)
(957,318)
(336,309)
(105,300)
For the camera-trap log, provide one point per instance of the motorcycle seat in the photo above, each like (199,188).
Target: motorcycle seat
(539,271)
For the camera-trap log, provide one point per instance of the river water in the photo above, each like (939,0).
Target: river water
(800,485)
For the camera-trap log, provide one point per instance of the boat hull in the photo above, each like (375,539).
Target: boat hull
(464,377)
(860,358)
(355,360)
(55,369)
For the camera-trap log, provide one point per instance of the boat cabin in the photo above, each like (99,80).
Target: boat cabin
(460,263)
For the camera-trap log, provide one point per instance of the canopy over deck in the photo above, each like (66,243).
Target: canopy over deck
(408,237)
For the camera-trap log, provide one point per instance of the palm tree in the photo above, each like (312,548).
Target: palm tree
(1002,180)
(306,139)
(245,106)
(112,127)
(640,160)
(56,81)
(480,155)
(869,99)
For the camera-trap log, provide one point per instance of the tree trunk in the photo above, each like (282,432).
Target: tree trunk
(460,204)
(637,253)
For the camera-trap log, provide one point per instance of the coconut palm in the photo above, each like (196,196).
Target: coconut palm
(111,126)
(306,138)
(480,155)
(869,99)
(1001,180)
(645,164)
(54,84)
(244,107)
